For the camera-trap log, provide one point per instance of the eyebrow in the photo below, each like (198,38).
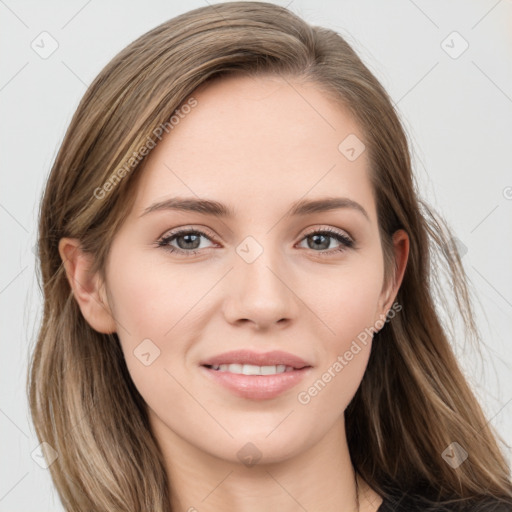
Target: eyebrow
(216,209)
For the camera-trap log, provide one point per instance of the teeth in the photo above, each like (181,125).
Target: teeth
(250,369)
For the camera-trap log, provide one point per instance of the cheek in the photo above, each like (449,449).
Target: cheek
(347,303)
(151,296)
(156,307)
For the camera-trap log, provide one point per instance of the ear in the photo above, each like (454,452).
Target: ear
(401,254)
(87,288)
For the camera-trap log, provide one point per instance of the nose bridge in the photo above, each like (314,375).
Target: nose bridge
(258,287)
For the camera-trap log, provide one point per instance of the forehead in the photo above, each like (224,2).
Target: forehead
(266,137)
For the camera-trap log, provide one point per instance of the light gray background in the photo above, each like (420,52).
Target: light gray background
(457,112)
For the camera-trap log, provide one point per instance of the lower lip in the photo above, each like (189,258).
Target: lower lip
(257,387)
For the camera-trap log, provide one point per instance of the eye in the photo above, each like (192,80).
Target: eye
(188,241)
(321,239)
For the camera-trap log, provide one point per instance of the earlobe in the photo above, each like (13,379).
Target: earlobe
(87,288)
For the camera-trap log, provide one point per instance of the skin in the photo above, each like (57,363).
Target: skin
(256,145)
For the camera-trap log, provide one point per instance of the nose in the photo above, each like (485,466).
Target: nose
(260,293)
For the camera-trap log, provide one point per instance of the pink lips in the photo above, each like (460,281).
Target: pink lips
(257,387)
(259,359)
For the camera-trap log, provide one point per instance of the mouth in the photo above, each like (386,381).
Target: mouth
(253,382)
(251,369)
(256,376)
(247,362)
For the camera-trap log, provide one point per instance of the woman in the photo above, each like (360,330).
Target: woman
(239,309)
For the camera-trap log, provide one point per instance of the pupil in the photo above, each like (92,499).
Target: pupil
(320,245)
(188,241)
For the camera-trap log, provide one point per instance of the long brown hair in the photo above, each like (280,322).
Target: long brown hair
(413,401)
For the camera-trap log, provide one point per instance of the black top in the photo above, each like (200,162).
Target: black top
(407,503)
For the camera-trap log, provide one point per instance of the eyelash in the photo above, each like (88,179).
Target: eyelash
(346,242)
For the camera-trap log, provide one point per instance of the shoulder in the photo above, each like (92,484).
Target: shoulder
(405,502)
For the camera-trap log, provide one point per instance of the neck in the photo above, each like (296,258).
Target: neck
(319,478)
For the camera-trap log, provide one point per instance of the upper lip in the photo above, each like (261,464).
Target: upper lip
(272,358)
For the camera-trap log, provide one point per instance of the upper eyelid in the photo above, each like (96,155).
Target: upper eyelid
(192,229)
(329,229)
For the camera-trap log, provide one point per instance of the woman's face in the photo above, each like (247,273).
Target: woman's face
(262,278)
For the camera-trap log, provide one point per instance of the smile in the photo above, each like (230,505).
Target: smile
(251,369)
